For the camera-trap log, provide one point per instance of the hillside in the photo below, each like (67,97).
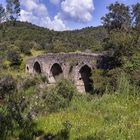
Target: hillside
(52,41)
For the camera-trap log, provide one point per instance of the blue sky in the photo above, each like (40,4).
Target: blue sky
(65,14)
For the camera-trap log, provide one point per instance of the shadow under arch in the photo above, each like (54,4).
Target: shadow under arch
(37,67)
(86,73)
(56,71)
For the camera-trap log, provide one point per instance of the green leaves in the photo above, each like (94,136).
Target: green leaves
(2,13)
(136,15)
(14,57)
(13,9)
(60,96)
(119,17)
(7,85)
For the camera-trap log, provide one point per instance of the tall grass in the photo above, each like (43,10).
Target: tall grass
(125,88)
(110,117)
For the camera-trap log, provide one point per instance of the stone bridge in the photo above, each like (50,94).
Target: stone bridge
(75,66)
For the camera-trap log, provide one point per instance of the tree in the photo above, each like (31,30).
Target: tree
(13,9)
(14,57)
(2,18)
(120,41)
(119,17)
(136,16)
(2,14)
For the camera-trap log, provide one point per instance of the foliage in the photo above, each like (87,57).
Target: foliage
(118,17)
(125,88)
(136,16)
(43,39)
(14,57)
(2,13)
(13,9)
(24,46)
(60,96)
(109,117)
(66,89)
(122,43)
(105,80)
(14,123)
(7,85)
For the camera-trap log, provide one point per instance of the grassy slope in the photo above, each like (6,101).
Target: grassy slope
(112,117)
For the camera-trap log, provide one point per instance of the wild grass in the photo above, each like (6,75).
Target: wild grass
(113,116)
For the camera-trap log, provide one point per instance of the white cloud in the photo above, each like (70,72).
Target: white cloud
(29,4)
(36,12)
(35,6)
(77,10)
(57,23)
(28,16)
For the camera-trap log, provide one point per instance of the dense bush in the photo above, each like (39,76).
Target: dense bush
(29,82)
(14,122)
(59,96)
(27,36)
(24,46)
(14,57)
(105,80)
(125,87)
(7,85)
(45,101)
(66,89)
(25,50)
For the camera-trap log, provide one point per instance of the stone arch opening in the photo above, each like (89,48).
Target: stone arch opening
(56,71)
(71,69)
(27,68)
(37,68)
(86,74)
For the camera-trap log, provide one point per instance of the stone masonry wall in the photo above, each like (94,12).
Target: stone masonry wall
(75,66)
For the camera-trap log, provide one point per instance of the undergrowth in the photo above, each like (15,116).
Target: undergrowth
(113,116)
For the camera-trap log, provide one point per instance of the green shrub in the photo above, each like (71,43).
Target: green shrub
(66,89)
(30,82)
(26,50)
(54,101)
(7,85)
(24,46)
(5,64)
(105,80)
(125,87)
(43,78)
(14,57)
(59,96)
(14,122)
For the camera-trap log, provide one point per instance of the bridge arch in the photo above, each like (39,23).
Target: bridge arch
(56,71)
(85,77)
(37,67)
